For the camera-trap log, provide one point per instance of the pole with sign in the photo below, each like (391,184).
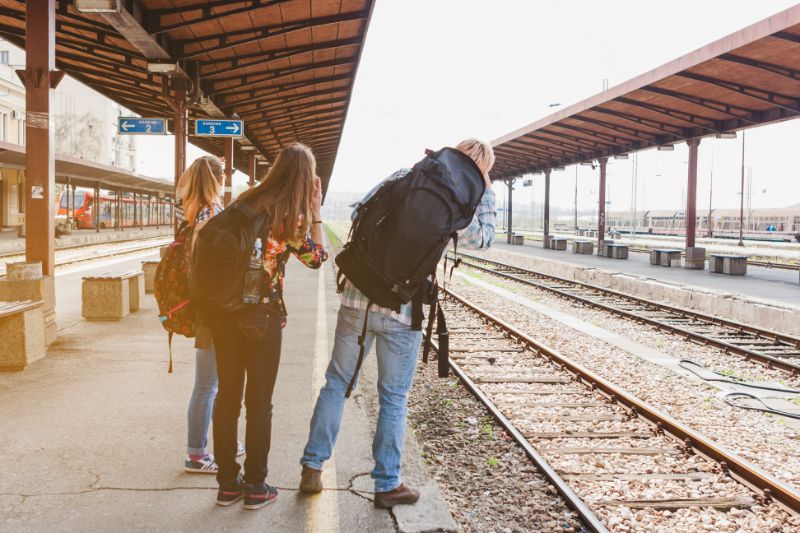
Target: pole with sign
(219,128)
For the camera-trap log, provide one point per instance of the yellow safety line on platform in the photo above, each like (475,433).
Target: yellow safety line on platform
(323,513)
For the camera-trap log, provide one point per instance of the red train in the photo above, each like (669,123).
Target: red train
(153,212)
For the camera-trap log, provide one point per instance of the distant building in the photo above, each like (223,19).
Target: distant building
(85,127)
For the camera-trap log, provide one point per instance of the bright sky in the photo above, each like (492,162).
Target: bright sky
(435,72)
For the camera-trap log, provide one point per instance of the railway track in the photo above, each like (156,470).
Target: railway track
(617,461)
(94,251)
(770,348)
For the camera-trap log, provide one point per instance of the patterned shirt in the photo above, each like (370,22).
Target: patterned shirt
(203,215)
(275,256)
(478,235)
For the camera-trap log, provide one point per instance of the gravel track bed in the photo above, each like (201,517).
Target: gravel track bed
(487,480)
(642,452)
(763,440)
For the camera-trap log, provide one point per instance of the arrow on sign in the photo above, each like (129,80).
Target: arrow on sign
(126,125)
(233,127)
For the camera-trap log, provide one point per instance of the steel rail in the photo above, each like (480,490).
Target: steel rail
(768,487)
(87,244)
(574,501)
(779,339)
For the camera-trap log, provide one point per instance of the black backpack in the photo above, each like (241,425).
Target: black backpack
(221,257)
(399,234)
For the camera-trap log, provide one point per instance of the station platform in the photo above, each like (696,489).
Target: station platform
(764,297)
(93,435)
(10,243)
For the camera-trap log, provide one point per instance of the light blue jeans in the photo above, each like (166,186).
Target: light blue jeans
(397,349)
(201,404)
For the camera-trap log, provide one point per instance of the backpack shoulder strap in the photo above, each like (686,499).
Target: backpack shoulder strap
(361,343)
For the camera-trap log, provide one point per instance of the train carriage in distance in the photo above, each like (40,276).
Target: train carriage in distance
(155,211)
(773,224)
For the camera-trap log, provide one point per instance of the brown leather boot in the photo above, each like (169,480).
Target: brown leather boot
(310,480)
(402,495)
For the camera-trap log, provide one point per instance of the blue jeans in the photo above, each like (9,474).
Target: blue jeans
(202,402)
(397,351)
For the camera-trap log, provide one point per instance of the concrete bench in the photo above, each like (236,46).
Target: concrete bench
(111,296)
(667,257)
(733,265)
(558,243)
(23,333)
(616,251)
(149,268)
(583,247)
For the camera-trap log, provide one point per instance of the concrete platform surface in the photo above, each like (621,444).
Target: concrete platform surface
(93,436)
(779,286)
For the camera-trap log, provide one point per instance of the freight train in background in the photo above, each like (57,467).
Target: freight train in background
(768,224)
(132,211)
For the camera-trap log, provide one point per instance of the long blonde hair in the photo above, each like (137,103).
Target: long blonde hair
(286,192)
(480,152)
(200,184)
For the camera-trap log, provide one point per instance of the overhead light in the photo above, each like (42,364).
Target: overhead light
(665,148)
(97,6)
(587,163)
(730,135)
(161,68)
(247,147)
(263,163)
(559,168)
(527,183)
(621,156)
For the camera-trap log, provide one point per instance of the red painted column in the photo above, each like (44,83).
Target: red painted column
(228,171)
(691,194)
(39,79)
(546,208)
(601,207)
(252,168)
(180,106)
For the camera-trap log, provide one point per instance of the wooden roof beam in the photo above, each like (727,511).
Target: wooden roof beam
(711,104)
(785,72)
(762,95)
(227,40)
(206,12)
(708,124)
(282,88)
(249,82)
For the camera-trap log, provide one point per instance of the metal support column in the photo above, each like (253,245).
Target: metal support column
(601,206)
(695,256)
(179,103)
(691,194)
(97,207)
(509,232)
(546,238)
(252,168)
(40,79)
(228,171)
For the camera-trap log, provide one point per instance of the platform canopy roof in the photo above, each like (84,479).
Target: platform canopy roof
(285,67)
(83,173)
(749,78)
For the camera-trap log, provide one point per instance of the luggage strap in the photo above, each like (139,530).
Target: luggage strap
(429,328)
(169,370)
(361,343)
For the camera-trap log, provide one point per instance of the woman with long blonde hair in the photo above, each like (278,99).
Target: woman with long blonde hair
(249,344)
(198,194)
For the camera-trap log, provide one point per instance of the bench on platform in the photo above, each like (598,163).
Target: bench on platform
(668,257)
(149,268)
(23,333)
(558,243)
(615,251)
(111,296)
(518,239)
(733,265)
(583,247)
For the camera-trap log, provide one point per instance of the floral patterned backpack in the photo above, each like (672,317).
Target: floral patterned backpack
(172,288)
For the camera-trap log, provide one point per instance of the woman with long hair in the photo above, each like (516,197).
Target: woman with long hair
(249,344)
(198,194)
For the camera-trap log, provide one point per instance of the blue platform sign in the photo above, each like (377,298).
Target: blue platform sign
(141,126)
(219,128)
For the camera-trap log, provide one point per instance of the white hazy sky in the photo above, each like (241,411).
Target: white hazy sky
(433,72)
